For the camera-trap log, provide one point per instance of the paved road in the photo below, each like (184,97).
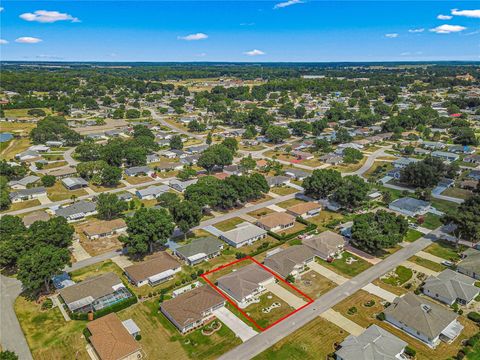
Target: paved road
(93,260)
(440,197)
(268,338)
(370,161)
(68,157)
(11,335)
(173,127)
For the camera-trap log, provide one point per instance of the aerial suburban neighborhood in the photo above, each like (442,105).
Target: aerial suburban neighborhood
(220,210)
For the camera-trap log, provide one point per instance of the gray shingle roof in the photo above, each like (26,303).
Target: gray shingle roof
(452,285)
(76,208)
(285,261)
(243,232)
(410,204)
(206,245)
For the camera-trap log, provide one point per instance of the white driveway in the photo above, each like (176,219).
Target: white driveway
(276,208)
(242,330)
(329,274)
(213,230)
(287,296)
(430,257)
(419,268)
(343,322)
(122,261)
(381,293)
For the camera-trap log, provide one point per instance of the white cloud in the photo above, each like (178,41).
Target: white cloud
(254,52)
(45,16)
(416,30)
(1,9)
(28,40)
(247,24)
(447,29)
(287,3)
(3,42)
(391,36)
(444,17)
(467,13)
(194,37)
(201,54)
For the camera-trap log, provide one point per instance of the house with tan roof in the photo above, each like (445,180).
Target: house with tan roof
(276,221)
(154,270)
(111,340)
(105,228)
(192,308)
(94,293)
(246,284)
(291,261)
(305,209)
(326,245)
(423,319)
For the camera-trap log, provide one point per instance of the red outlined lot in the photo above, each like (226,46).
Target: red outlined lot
(260,328)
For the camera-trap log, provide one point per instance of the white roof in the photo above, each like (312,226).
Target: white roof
(161,276)
(131,327)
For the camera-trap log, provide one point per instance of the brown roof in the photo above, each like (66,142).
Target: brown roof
(156,264)
(104,227)
(302,208)
(111,339)
(262,163)
(275,219)
(325,243)
(189,306)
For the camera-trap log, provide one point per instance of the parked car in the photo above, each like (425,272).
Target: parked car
(447,263)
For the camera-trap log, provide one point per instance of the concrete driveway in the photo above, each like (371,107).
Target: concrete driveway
(381,293)
(289,297)
(342,322)
(242,330)
(329,274)
(418,268)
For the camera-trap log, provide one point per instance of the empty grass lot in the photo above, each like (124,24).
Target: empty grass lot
(229,224)
(22,205)
(260,212)
(431,221)
(324,218)
(400,276)
(284,190)
(287,203)
(427,263)
(341,267)
(412,235)
(58,192)
(313,341)
(445,249)
(313,284)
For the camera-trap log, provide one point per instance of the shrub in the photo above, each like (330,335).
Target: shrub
(474,316)
(290,278)
(369,303)
(138,337)
(240,255)
(86,333)
(47,304)
(352,310)
(381,316)
(410,351)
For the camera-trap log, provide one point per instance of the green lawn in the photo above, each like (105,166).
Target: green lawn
(446,250)
(427,263)
(324,218)
(412,235)
(431,221)
(228,224)
(402,275)
(350,270)
(284,190)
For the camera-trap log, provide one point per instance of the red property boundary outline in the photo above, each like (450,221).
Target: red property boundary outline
(204,276)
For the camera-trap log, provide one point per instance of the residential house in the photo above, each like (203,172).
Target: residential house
(461,149)
(276,221)
(139,170)
(111,340)
(39,148)
(326,245)
(404,162)
(446,156)
(170,166)
(472,159)
(63,172)
(409,206)
(305,209)
(151,158)
(77,210)
(302,155)
(199,250)
(450,286)
(24,182)
(151,192)
(279,180)
(190,159)
(432,145)
(291,261)
(197,149)
(474,174)
(28,155)
(27,194)
(102,229)
(243,234)
(181,186)
(94,293)
(297,174)
(374,343)
(74,183)
(232,170)
(470,263)
(154,270)
(126,196)
(423,319)
(331,158)
(245,284)
(193,308)
(169,154)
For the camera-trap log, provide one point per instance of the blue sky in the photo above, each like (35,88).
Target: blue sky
(258,31)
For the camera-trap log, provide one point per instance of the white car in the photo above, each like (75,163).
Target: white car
(447,263)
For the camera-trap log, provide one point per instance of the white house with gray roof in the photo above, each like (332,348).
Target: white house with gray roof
(77,211)
(27,194)
(423,319)
(151,192)
(73,183)
(243,234)
(202,249)
(291,261)
(409,206)
(24,182)
(374,343)
(181,186)
(450,286)
(470,263)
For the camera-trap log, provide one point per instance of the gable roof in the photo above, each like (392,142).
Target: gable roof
(471,262)
(420,314)
(374,343)
(410,204)
(243,232)
(283,262)
(452,285)
(276,219)
(206,245)
(104,227)
(190,306)
(76,208)
(244,281)
(111,339)
(325,242)
(158,263)
(302,208)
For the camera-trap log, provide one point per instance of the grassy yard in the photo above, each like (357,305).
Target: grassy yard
(457,193)
(48,335)
(295,228)
(399,277)
(96,269)
(229,224)
(15,146)
(446,250)
(427,263)
(346,168)
(22,205)
(431,221)
(313,284)
(58,192)
(98,188)
(288,203)
(54,165)
(260,212)
(313,341)
(135,180)
(412,235)
(22,113)
(283,190)
(16,127)
(324,218)
(341,267)
(365,315)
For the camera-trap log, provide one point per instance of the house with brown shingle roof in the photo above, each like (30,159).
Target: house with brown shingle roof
(245,284)
(325,245)
(154,270)
(111,340)
(192,308)
(276,221)
(305,209)
(105,228)
(291,261)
